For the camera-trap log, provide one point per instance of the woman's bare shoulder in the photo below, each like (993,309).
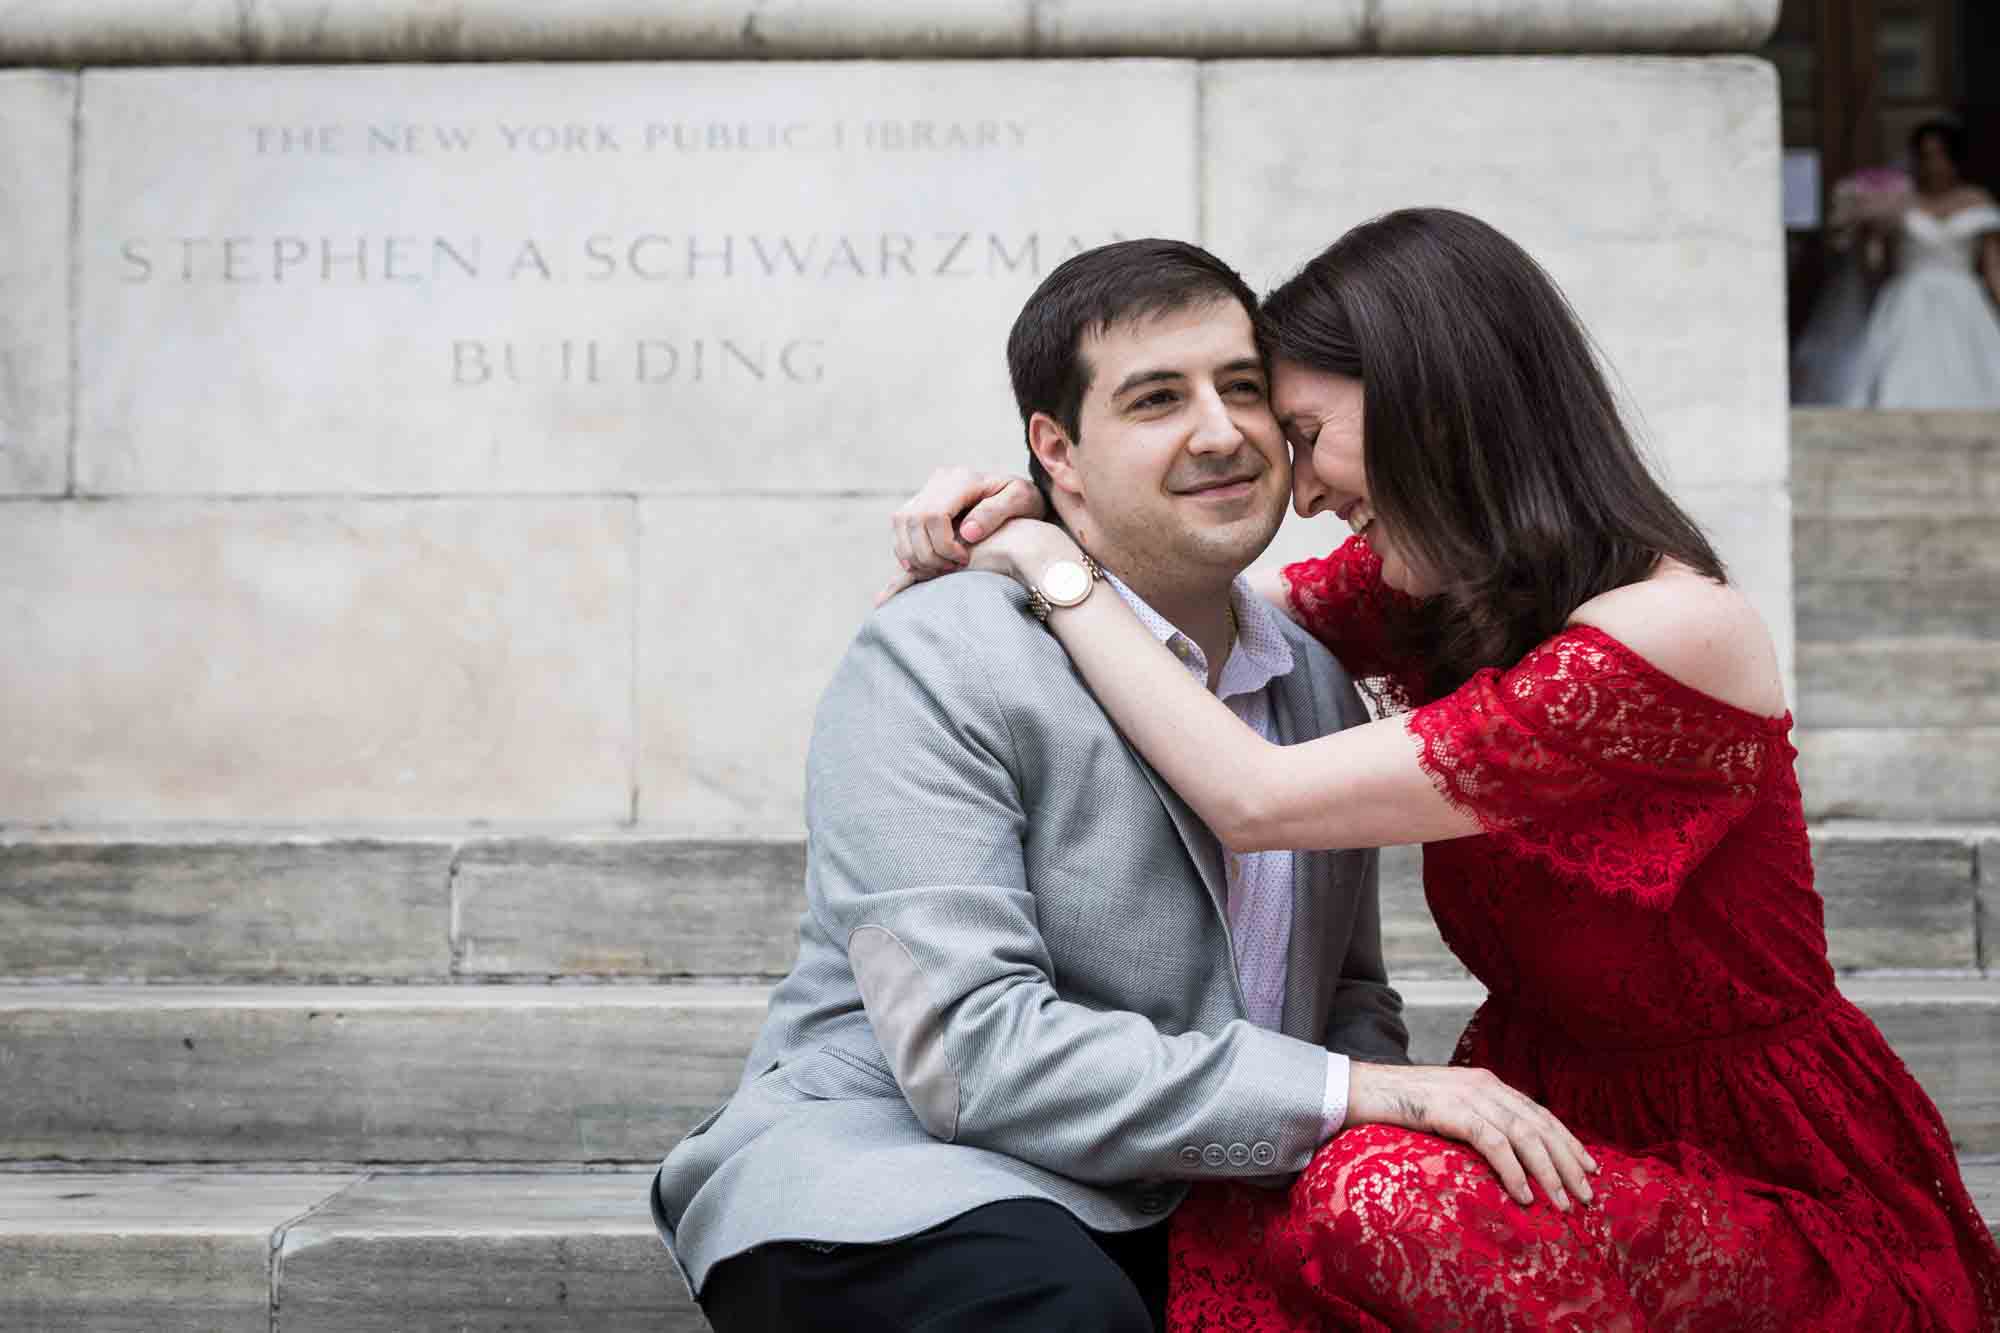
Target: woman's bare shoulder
(1702,633)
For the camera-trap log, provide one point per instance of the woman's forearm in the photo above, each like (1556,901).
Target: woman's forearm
(1204,751)
(1362,787)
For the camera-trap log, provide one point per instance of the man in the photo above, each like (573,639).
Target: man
(1033,998)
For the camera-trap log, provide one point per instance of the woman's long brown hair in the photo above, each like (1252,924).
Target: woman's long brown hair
(1493,446)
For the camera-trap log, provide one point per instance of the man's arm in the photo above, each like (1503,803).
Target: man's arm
(1367,1018)
(917,816)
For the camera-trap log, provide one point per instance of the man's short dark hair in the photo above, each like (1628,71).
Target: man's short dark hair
(1090,292)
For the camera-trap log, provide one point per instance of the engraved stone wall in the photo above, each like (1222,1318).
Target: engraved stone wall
(514,444)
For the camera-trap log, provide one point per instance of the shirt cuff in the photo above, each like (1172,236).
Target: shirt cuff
(1334,1105)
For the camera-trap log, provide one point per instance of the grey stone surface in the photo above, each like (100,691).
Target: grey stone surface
(1411,946)
(1436,1013)
(731,667)
(619,278)
(1543,25)
(1982,1181)
(215,909)
(473,1251)
(1921,550)
(1198,28)
(1933,773)
(633,906)
(364,1073)
(37,108)
(162,31)
(1841,605)
(1911,682)
(147,1253)
(627,907)
(1873,465)
(1896,901)
(317,661)
(1946,1031)
(399,1254)
(571,1073)
(1989,904)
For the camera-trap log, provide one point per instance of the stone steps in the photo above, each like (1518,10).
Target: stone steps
(1915,681)
(1896,560)
(265,907)
(1869,465)
(326,1253)
(1907,773)
(154,1252)
(538,1073)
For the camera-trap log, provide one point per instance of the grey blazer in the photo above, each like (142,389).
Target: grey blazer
(1014,976)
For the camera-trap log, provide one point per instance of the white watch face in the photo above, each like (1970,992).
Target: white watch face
(1065,583)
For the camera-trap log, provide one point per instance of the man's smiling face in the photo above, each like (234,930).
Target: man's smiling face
(1180,472)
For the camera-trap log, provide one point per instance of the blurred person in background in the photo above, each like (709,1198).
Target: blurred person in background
(1932,339)
(1866,205)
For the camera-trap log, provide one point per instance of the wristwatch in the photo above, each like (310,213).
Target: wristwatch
(1064,583)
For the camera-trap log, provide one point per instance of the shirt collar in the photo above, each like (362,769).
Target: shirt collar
(1258,656)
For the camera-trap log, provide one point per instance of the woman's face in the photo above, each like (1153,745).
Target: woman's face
(1321,415)
(1936,172)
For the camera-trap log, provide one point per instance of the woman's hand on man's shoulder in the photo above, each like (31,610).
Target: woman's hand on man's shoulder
(1704,634)
(933,532)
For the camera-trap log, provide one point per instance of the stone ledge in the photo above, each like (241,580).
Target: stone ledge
(1874,465)
(171,31)
(174,1253)
(587,1074)
(1900,773)
(521,1251)
(371,1074)
(212,1252)
(205,906)
(1927,681)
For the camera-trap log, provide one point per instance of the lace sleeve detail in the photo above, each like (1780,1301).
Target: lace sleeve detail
(1342,601)
(1589,759)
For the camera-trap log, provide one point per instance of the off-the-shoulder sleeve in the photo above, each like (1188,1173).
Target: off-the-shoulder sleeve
(1586,757)
(1342,601)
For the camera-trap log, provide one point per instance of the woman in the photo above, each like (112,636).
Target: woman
(1596,759)
(1933,338)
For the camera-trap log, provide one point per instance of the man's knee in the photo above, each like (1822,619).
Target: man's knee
(1097,1298)
(1018,1265)
(1066,1280)
(1075,1301)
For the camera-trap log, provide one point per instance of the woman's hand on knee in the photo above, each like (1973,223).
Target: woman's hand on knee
(935,529)
(1514,1133)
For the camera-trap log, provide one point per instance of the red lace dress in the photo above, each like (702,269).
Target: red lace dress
(1640,907)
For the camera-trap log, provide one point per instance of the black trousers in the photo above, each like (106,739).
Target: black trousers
(1023,1264)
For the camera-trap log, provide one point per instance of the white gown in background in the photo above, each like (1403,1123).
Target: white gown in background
(1933,339)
